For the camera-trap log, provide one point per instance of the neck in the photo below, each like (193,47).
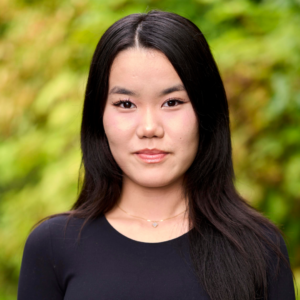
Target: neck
(154,203)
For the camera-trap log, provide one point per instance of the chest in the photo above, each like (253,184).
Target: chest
(124,274)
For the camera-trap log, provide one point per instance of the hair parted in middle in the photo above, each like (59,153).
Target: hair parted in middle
(228,240)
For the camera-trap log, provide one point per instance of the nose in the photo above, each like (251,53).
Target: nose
(150,125)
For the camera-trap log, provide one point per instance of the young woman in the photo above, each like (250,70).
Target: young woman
(158,216)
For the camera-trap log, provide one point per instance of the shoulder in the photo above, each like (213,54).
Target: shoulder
(278,257)
(280,276)
(39,238)
(275,237)
(275,245)
(43,229)
(65,230)
(57,227)
(279,273)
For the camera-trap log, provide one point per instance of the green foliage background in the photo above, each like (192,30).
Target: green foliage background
(45,51)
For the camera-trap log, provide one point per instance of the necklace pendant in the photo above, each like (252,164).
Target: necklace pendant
(154,224)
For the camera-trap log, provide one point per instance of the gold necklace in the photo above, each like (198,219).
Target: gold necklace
(154,223)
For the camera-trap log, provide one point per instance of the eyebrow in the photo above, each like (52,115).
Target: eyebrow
(175,88)
(123,91)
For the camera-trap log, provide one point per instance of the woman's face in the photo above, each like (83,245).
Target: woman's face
(148,108)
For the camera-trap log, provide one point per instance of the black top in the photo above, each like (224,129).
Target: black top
(108,265)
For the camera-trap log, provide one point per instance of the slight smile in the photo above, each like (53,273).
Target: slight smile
(151,156)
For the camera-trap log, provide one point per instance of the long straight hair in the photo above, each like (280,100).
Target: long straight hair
(230,242)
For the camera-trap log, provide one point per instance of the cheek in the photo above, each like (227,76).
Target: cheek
(117,128)
(189,139)
(184,129)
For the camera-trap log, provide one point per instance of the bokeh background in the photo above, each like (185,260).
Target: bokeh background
(45,51)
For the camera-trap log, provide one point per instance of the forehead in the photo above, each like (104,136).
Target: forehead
(140,67)
(144,55)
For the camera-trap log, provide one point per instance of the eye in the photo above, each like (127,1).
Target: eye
(172,102)
(124,104)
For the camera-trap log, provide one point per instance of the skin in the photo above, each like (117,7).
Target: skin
(158,114)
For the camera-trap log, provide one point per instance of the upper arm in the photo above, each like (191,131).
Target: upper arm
(281,287)
(37,277)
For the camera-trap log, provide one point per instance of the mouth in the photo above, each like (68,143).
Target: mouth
(151,155)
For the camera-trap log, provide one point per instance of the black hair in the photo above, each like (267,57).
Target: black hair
(230,241)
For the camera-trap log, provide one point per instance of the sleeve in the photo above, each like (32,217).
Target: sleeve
(281,287)
(37,279)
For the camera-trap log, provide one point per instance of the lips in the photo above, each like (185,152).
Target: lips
(151,155)
(151,151)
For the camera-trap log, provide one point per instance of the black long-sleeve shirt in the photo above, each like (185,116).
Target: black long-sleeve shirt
(105,264)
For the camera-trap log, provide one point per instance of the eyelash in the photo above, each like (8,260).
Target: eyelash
(128,101)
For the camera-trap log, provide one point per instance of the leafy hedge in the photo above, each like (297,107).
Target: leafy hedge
(45,51)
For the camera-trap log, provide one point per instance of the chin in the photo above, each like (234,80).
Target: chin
(154,181)
(152,184)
